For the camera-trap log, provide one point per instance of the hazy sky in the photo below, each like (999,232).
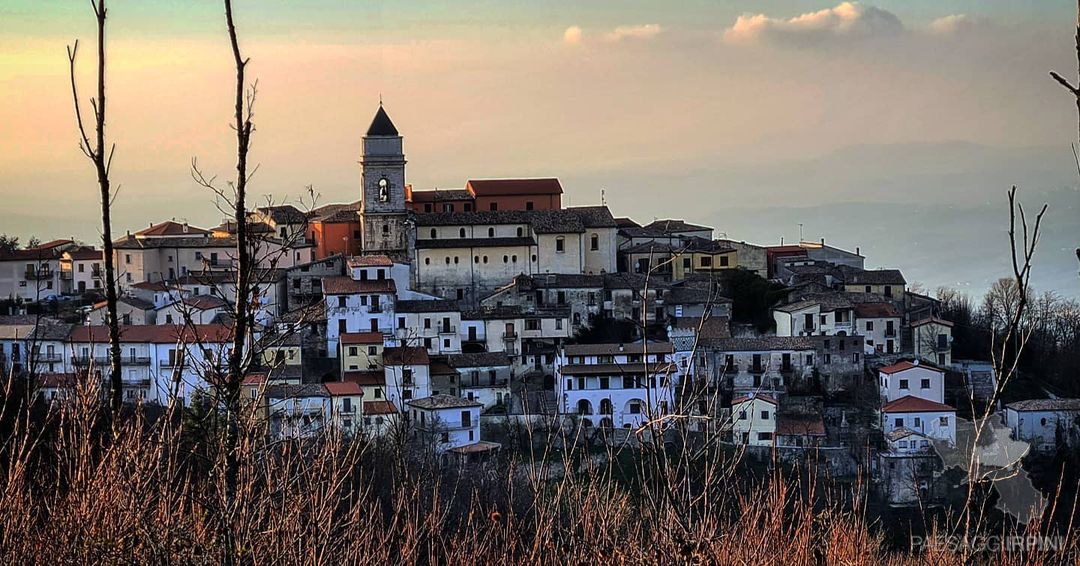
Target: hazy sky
(873,124)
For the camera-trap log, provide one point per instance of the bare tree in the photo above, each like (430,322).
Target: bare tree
(1075,91)
(103,165)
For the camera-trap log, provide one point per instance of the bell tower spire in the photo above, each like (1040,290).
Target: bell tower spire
(382,175)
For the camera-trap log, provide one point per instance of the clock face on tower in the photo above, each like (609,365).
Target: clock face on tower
(384,190)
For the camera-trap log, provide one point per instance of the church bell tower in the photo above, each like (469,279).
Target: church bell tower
(383,213)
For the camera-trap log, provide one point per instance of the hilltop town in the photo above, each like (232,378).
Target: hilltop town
(451,313)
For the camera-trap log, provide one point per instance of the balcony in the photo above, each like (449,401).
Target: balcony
(447,329)
(212,263)
(47,357)
(65,275)
(890,333)
(39,274)
(510,335)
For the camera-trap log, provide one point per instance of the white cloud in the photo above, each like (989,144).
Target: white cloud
(572,35)
(955,24)
(846,20)
(646,31)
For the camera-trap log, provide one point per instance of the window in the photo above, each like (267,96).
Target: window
(127,257)
(506,259)
(925,384)
(341,301)
(686,263)
(764,436)
(485,259)
(888,290)
(528,205)
(466,418)
(461,232)
(918,422)
(723,261)
(352,350)
(594,242)
(560,244)
(569,384)
(898,422)
(520,231)
(434,233)
(386,229)
(494,206)
(869,326)
(447,260)
(764,415)
(384,190)
(559,323)
(374,324)
(943,421)
(706,261)
(742,415)
(491,232)
(513,258)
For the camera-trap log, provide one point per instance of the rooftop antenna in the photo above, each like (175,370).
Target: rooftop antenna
(800,232)
(380,99)
(603,199)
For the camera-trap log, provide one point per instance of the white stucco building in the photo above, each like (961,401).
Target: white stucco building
(1044,423)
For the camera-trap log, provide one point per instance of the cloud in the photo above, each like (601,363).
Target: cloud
(572,35)
(955,24)
(646,31)
(846,20)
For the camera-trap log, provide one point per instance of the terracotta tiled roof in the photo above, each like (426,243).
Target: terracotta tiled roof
(910,404)
(618,349)
(343,388)
(379,408)
(934,320)
(670,226)
(370,261)
(906,365)
(365,377)
(745,398)
(406,355)
(85,253)
(876,310)
(800,425)
(1045,405)
(171,228)
(362,338)
(503,187)
(341,285)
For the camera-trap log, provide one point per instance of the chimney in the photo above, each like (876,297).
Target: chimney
(857,251)
(621,347)
(823,241)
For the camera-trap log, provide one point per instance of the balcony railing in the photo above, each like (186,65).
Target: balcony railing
(448,330)
(104,360)
(47,357)
(890,333)
(510,335)
(38,274)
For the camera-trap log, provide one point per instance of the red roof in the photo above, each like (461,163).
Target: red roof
(904,366)
(504,187)
(154,333)
(364,377)
(204,302)
(406,355)
(254,379)
(148,286)
(909,404)
(85,253)
(171,228)
(341,285)
(370,261)
(379,408)
(876,310)
(343,388)
(362,338)
(52,244)
(765,398)
(800,425)
(932,319)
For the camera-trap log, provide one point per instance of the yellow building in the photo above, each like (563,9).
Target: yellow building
(361,351)
(888,283)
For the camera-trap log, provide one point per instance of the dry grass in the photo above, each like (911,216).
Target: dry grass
(76,490)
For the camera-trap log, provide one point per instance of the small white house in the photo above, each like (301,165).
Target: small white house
(445,421)
(753,420)
(930,418)
(907,378)
(879,323)
(1044,422)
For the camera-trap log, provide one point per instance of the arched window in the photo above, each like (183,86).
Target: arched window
(605,407)
(534,257)
(513,258)
(476,259)
(485,259)
(434,233)
(455,259)
(506,259)
(461,233)
(491,232)
(447,260)
(384,190)
(520,231)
